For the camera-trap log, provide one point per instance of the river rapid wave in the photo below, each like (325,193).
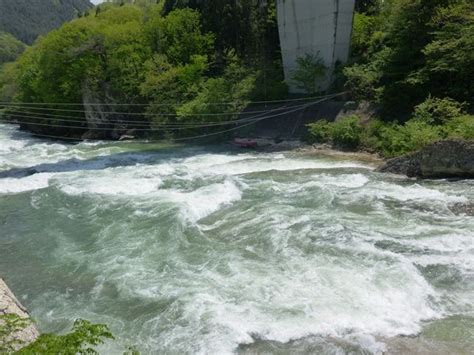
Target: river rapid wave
(214,250)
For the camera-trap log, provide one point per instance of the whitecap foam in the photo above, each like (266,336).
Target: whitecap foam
(414,192)
(351,181)
(300,300)
(248,167)
(204,201)
(29,183)
(120,186)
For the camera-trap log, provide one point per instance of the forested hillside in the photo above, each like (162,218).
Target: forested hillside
(174,61)
(27,19)
(413,62)
(170,62)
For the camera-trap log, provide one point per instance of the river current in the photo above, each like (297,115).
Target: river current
(214,250)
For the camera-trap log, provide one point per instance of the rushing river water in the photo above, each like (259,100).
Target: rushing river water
(206,250)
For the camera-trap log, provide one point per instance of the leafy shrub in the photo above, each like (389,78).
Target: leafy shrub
(438,111)
(371,135)
(395,140)
(460,127)
(362,81)
(366,35)
(319,132)
(310,72)
(345,133)
(81,340)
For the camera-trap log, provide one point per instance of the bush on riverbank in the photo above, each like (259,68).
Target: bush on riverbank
(433,120)
(83,338)
(345,133)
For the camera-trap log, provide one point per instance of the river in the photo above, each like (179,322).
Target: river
(215,250)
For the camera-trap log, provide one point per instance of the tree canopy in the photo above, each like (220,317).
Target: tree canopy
(167,58)
(410,49)
(10,48)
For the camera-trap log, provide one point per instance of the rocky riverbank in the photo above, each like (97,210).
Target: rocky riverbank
(443,159)
(9,304)
(439,160)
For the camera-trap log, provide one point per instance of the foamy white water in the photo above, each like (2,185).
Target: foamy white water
(209,250)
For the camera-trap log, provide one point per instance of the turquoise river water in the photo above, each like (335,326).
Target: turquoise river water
(209,250)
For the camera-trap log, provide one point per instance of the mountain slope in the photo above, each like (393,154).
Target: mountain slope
(27,19)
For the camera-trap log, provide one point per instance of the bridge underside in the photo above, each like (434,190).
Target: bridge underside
(317,27)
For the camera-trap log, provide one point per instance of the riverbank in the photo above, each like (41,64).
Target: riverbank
(9,305)
(439,160)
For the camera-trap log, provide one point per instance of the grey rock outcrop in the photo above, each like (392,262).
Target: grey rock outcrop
(443,159)
(10,305)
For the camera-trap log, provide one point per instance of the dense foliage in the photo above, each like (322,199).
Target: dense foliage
(27,19)
(406,50)
(83,338)
(433,120)
(414,61)
(173,60)
(310,71)
(189,61)
(345,133)
(10,48)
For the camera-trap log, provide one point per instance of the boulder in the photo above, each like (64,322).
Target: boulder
(443,159)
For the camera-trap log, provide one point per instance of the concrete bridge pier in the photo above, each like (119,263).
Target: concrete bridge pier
(316,27)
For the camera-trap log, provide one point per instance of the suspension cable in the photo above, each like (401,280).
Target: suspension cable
(202,135)
(157,129)
(68,118)
(4,103)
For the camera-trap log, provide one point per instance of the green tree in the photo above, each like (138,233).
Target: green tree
(437,111)
(409,49)
(179,36)
(228,93)
(449,56)
(310,73)
(10,48)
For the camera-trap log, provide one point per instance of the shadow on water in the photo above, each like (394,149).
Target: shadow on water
(148,156)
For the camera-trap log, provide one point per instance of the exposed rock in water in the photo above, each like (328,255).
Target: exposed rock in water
(10,305)
(443,159)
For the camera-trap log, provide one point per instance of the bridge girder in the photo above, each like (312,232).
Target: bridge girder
(317,27)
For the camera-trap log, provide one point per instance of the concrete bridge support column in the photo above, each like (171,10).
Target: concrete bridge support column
(316,27)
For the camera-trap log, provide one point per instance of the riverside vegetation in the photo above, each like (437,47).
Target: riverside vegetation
(83,338)
(413,60)
(410,59)
(170,61)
